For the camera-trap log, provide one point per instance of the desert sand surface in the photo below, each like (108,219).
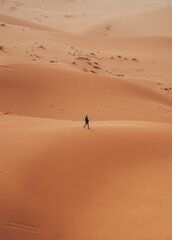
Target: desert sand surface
(61,60)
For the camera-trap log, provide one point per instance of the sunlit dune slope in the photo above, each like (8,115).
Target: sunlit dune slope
(61,60)
(61,181)
(153,23)
(41,91)
(76,16)
(24,23)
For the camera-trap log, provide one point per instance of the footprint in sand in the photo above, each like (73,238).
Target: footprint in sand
(83,58)
(96,67)
(41,47)
(134,59)
(92,71)
(1,48)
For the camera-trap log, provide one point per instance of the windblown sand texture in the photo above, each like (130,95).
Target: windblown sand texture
(59,61)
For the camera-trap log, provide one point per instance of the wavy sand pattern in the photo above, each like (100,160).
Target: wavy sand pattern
(62,60)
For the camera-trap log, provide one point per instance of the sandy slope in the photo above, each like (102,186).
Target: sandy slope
(66,182)
(76,16)
(23,23)
(152,53)
(50,92)
(61,60)
(152,23)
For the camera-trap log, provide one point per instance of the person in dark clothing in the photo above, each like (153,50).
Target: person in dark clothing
(86,122)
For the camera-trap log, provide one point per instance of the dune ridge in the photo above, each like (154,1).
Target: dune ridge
(20,22)
(104,98)
(60,61)
(123,190)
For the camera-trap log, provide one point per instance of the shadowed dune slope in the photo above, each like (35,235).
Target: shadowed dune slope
(60,181)
(35,90)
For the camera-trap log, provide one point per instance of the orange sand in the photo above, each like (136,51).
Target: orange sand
(61,60)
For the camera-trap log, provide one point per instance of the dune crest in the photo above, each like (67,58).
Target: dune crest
(81,183)
(20,22)
(61,60)
(104,98)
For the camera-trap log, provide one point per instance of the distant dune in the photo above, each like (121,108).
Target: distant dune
(61,60)
(48,92)
(153,23)
(23,23)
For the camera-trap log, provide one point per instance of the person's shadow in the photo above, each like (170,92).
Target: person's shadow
(92,130)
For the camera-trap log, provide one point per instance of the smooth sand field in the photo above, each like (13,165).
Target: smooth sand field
(59,61)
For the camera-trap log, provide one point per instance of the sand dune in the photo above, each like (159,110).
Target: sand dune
(112,181)
(50,92)
(154,61)
(61,60)
(81,15)
(153,23)
(23,23)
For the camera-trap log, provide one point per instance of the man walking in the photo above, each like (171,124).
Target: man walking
(86,122)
